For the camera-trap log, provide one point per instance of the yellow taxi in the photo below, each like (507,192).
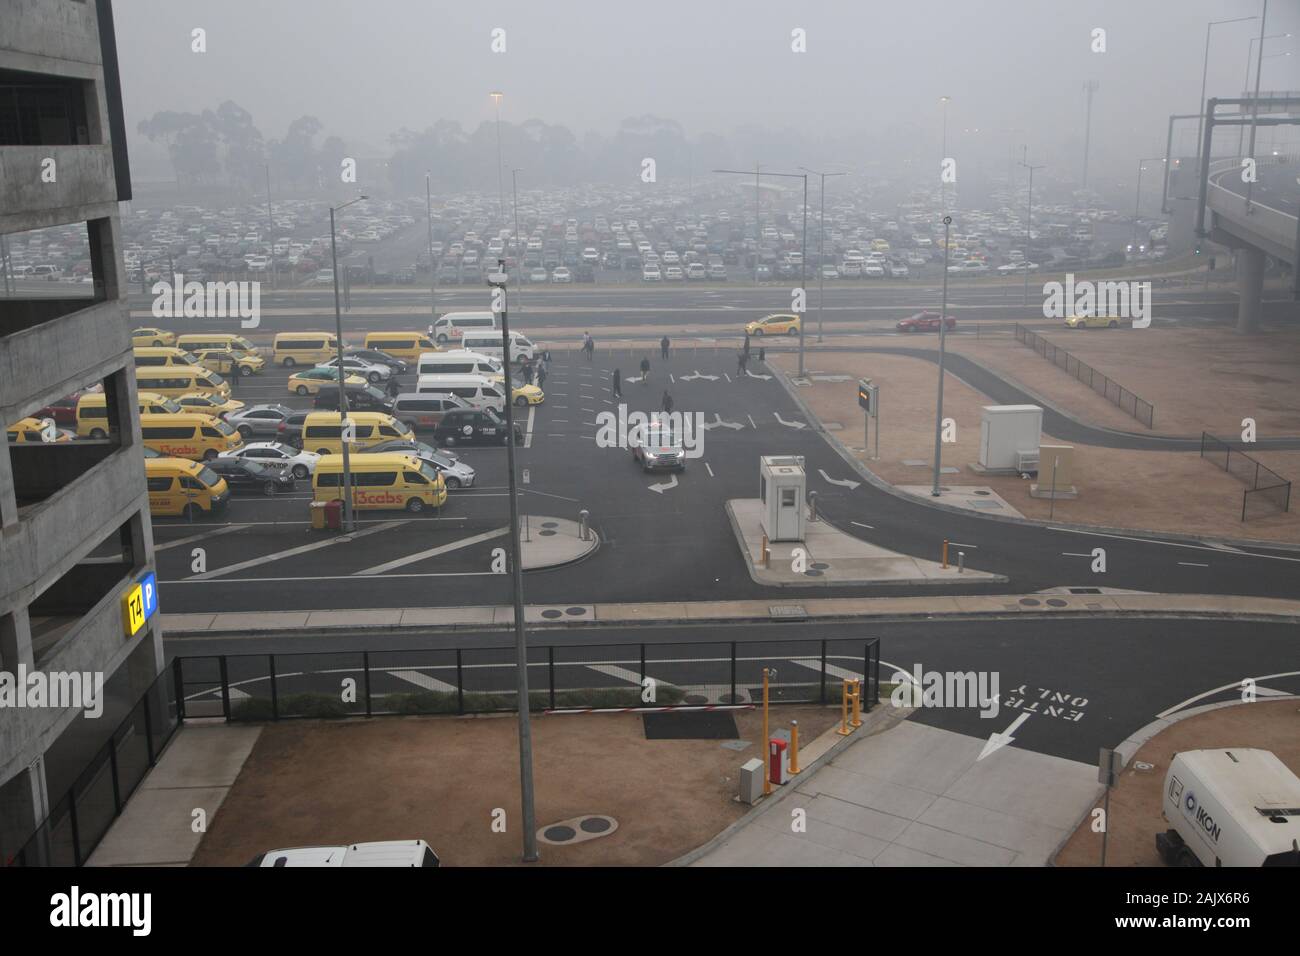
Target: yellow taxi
(36,430)
(206,404)
(527,395)
(309,382)
(149,337)
(780,324)
(1091,322)
(230,361)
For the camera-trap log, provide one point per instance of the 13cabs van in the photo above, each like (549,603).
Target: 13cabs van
(384,481)
(178,486)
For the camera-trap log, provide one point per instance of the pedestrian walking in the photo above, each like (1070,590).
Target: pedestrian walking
(541,375)
(746,346)
(645,371)
(667,402)
(741,360)
(527,372)
(588,345)
(618,384)
(663,348)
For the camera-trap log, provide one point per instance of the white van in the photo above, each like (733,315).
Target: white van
(400,853)
(1230,807)
(493,344)
(477,391)
(460,362)
(453,325)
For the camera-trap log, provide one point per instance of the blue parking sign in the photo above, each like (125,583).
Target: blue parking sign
(149,593)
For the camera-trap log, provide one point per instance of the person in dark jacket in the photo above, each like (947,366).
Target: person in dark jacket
(645,371)
(742,358)
(667,402)
(618,384)
(541,374)
(663,347)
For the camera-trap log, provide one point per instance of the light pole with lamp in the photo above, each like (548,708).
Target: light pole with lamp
(943,186)
(501,182)
(821,246)
(1137,202)
(433,272)
(519,257)
(943,325)
(1250,53)
(349,518)
(1029,219)
(529,822)
(1205,69)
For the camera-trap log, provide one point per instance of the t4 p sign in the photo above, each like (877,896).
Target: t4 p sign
(139,603)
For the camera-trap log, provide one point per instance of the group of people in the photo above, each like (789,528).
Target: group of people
(530,370)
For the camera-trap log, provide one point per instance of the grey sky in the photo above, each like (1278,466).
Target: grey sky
(872,68)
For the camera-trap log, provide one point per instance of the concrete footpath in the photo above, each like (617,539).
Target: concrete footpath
(253,623)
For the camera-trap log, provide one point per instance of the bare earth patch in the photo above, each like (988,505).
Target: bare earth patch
(440,778)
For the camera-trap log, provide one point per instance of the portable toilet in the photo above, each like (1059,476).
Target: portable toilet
(782,491)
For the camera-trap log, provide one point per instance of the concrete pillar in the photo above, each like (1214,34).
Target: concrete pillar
(1250,289)
(8,503)
(23,806)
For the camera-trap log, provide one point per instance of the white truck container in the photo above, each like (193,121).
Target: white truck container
(1231,807)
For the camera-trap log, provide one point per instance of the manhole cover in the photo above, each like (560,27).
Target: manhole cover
(575,611)
(551,614)
(595,825)
(730,699)
(1143,766)
(981,492)
(813,573)
(1030,602)
(1057,602)
(589,826)
(559,834)
(550,524)
(819,565)
(696,699)
(546,534)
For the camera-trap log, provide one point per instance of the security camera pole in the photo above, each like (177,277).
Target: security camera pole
(943,325)
(517,577)
(349,519)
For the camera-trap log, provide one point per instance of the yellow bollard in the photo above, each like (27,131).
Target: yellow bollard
(945,554)
(857,704)
(794,747)
(766,552)
(767,757)
(844,712)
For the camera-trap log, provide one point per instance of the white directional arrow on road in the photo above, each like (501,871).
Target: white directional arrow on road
(847,483)
(787,424)
(721,424)
(753,375)
(632,378)
(696,375)
(660,489)
(998,741)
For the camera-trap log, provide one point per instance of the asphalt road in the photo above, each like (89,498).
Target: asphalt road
(1086,683)
(1275,186)
(662,539)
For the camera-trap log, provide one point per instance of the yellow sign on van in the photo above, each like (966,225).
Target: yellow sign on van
(133,615)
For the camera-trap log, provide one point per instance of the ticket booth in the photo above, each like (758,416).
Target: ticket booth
(782,491)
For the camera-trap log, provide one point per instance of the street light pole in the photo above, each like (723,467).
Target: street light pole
(1254,102)
(501,184)
(821,246)
(433,272)
(1029,219)
(943,186)
(519,258)
(1205,69)
(1250,53)
(943,325)
(349,518)
(1137,203)
(517,586)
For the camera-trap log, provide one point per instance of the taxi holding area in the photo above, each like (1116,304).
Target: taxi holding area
(379,482)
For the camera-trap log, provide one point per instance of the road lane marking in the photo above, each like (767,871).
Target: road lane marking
(1075,554)
(528,435)
(958,544)
(291,552)
(1192,564)
(613,670)
(861,525)
(1175,544)
(1235,685)
(335,577)
(420,679)
(199,537)
(434,552)
(751,421)
(710,470)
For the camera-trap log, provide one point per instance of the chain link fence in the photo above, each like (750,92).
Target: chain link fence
(1269,493)
(1103,385)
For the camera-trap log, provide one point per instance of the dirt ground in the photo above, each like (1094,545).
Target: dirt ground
(1159,491)
(1135,802)
(440,778)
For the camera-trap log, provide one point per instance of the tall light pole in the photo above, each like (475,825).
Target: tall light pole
(943,186)
(1029,219)
(1090,88)
(1254,102)
(498,283)
(821,246)
(1205,69)
(1137,202)
(349,518)
(519,258)
(943,325)
(1250,54)
(501,181)
(433,272)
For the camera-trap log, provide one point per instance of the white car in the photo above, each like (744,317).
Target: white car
(650,272)
(897,270)
(371,371)
(671,258)
(873,270)
(561,274)
(830,272)
(696,271)
(538,275)
(279,456)
(673,274)
(1019,267)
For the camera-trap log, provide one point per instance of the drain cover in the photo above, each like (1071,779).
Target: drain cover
(1030,602)
(589,826)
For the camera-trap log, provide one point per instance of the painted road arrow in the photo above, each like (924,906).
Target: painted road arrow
(632,378)
(721,424)
(696,375)
(788,424)
(672,483)
(998,741)
(845,482)
(752,375)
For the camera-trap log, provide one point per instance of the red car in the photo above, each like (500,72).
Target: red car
(62,410)
(925,322)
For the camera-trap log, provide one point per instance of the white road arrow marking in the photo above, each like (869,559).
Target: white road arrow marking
(632,378)
(660,489)
(845,482)
(752,375)
(721,424)
(787,424)
(997,741)
(697,375)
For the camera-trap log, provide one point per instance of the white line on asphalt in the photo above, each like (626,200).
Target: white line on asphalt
(710,470)
(1235,685)
(199,537)
(333,577)
(613,670)
(1075,554)
(958,544)
(751,421)
(671,378)
(302,549)
(1175,544)
(434,552)
(528,435)
(726,376)
(556,421)
(1192,564)
(861,525)
(831,669)
(420,679)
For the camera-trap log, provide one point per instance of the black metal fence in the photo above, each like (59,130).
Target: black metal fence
(1103,385)
(1269,493)
(257,687)
(78,820)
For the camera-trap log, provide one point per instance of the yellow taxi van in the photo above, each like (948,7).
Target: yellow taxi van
(322,432)
(152,336)
(402,345)
(178,486)
(189,435)
(34,430)
(92,411)
(199,341)
(177,380)
(162,355)
(304,348)
(390,480)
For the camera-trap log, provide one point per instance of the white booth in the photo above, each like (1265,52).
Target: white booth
(1009,438)
(782,491)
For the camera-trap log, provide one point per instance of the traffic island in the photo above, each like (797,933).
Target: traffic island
(829,557)
(546,542)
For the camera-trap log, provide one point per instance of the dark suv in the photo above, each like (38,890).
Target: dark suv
(464,426)
(361,398)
